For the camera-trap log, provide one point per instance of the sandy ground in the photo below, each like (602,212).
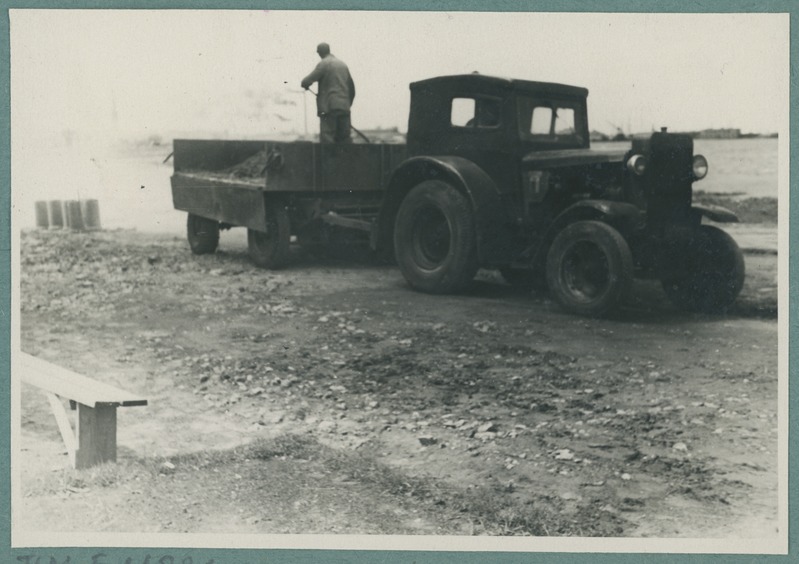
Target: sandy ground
(653,423)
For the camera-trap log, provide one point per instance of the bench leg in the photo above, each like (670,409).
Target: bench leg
(63,425)
(96,431)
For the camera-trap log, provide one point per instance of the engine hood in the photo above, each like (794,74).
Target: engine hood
(572,157)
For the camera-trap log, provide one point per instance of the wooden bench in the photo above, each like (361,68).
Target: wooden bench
(94,439)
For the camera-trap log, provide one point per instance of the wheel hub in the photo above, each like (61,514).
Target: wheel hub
(585,271)
(431,237)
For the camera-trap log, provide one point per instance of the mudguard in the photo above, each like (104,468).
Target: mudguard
(625,217)
(491,220)
(715,213)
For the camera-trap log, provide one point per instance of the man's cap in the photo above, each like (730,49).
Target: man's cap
(323,49)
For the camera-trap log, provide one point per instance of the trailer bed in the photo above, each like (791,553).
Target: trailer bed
(234,182)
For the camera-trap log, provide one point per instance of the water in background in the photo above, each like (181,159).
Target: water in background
(737,166)
(132,185)
(746,166)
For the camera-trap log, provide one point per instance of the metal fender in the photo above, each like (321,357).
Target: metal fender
(491,220)
(715,213)
(625,217)
(621,215)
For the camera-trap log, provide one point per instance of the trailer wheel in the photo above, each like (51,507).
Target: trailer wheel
(706,273)
(203,234)
(434,238)
(270,248)
(589,268)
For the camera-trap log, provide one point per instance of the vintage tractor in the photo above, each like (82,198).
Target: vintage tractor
(497,173)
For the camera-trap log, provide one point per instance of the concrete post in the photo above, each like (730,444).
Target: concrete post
(73,216)
(56,214)
(42,221)
(90,211)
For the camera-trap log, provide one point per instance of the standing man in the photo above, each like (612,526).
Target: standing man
(336,93)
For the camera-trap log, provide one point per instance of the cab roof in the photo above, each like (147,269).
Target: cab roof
(486,82)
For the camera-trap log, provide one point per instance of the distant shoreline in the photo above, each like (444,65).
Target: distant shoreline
(597,137)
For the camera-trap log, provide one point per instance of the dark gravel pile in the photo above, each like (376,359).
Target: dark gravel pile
(252,167)
(748,210)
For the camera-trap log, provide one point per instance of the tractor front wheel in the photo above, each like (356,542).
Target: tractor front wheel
(589,268)
(704,271)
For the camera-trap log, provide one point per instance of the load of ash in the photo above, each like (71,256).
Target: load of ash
(252,167)
(249,171)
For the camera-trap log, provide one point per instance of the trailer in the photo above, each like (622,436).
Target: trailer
(278,190)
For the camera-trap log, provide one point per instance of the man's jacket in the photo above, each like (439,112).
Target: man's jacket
(336,88)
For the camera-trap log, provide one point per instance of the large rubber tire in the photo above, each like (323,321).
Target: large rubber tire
(704,271)
(203,234)
(589,268)
(434,238)
(270,249)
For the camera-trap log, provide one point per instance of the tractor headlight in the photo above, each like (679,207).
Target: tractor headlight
(700,167)
(637,164)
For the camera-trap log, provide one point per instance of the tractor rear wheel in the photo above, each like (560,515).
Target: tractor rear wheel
(434,238)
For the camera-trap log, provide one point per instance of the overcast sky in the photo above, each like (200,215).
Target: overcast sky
(237,73)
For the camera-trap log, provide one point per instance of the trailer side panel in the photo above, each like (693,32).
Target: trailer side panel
(222,201)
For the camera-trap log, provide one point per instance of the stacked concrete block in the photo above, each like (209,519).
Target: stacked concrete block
(42,216)
(72,216)
(90,212)
(56,210)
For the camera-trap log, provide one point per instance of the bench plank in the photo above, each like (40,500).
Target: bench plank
(72,385)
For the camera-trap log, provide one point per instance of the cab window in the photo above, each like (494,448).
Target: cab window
(463,111)
(541,122)
(542,119)
(475,112)
(564,122)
